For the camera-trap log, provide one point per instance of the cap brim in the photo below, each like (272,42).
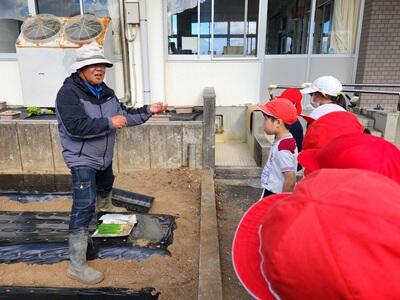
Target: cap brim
(246,246)
(265,111)
(308,159)
(80,64)
(308,90)
(307,118)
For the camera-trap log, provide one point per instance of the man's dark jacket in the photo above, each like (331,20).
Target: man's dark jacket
(84,123)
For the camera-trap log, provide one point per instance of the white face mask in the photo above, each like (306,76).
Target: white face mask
(313,102)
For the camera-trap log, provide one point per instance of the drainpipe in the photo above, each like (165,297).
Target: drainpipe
(125,55)
(131,37)
(144,49)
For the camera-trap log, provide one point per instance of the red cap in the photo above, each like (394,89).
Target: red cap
(294,96)
(330,126)
(280,108)
(357,151)
(336,237)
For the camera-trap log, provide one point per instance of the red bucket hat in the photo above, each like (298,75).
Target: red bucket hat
(293,95)
(330,126)
(357,151)
(336,237)
(281,109)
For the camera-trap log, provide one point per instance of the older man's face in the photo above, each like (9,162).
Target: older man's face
(94,74)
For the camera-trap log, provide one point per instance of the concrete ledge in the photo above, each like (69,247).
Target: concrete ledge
(33,146)
(210,282)
(262,146)
(238,172)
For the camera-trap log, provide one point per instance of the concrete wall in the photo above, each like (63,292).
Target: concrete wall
(33,147)
(379,59)
(234,118)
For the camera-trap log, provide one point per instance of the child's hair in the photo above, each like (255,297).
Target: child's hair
(339,100)
(287,126)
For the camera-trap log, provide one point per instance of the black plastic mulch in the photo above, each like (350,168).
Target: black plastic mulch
(42,237)
(31,293)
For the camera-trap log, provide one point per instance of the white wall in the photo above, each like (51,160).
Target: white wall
(235,82)
(10,83)
(290,70)
(340,67)
(284,70)
(156,49)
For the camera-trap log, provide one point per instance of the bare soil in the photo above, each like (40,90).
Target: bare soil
(177,193)
(232,202)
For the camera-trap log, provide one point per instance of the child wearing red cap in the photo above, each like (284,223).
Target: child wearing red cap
(355,151)
(279,173)
(335,237)
(296,129)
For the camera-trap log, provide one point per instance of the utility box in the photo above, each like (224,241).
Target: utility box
(46,49)
(132,12)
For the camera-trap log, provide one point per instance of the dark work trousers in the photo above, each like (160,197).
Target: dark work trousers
(86,184)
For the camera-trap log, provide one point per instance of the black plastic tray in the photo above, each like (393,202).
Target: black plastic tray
(132,201)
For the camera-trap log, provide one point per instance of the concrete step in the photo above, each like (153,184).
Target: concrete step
(227,172)
(376,132)
(366,122)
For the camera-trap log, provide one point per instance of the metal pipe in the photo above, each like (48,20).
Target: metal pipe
(358,39)
(347,90)
(311,38)
(390,85)
(131,37)
(125,58)
(144,49)
(81,7)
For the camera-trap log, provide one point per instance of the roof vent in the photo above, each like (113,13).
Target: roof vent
(41,28)
(83,29)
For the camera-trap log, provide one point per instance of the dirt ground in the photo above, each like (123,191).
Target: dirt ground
(177,193)
(232,202)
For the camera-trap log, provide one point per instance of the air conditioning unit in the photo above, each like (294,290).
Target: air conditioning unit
(46,50)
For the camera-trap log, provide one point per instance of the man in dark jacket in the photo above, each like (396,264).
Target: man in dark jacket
(88,114)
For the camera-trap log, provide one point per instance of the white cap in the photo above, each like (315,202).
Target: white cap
(90,54)
(328,85)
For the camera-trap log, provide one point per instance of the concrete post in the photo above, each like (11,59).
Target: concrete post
(192,156)
(209,99)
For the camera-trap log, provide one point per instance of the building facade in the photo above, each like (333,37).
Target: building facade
(237,46)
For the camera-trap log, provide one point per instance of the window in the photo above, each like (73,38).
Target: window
(335,26)
(287,26)
(192,31)
(12,13)
(182,27)
(61,8)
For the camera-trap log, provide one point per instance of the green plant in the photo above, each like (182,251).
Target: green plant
(109,228)
(33,111)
